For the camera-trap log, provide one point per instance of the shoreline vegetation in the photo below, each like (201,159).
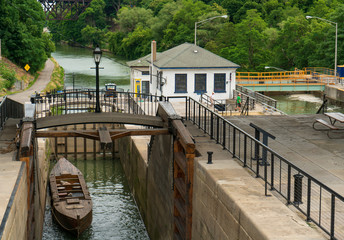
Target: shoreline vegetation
(57,78)
(14,79)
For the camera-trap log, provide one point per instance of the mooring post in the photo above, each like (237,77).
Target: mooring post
(210,158)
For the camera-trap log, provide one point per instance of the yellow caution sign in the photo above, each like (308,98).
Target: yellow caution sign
(27,67)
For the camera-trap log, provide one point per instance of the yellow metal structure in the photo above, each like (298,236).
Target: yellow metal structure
(137,85)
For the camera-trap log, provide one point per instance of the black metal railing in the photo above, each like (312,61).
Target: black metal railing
(10,109)
(319,203)
(3,112)
(77,101)
(257,96)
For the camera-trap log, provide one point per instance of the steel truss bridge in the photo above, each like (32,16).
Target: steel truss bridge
(64,9)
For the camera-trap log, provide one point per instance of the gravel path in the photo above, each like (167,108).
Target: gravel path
(38,86)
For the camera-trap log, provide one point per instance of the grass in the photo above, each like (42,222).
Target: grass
(57,78)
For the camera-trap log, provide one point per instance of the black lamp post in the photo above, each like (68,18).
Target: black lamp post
(97,53)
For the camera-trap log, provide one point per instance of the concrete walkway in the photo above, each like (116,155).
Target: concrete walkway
(9,168)
(299,143)
(38,86)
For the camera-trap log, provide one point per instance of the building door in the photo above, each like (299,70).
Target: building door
(137,85)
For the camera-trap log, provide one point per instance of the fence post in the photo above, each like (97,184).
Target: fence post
(333,206)
(309,192)
(224,134)
(298,189)
(289,184)
(211,125)
(272,171)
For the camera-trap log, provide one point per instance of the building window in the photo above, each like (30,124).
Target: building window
(200,83)
(145,87)
(219,82)
(145,72)
(181,83)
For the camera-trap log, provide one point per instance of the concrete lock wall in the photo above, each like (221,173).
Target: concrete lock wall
(334,93)
(17,209)
(151,182)
(43,162)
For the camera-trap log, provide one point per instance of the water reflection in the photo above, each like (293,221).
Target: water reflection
(115,215)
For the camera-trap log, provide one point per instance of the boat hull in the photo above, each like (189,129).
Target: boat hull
(71,201)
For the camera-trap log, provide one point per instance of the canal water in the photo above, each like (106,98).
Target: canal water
(302,103)
(115,214)
(78,64)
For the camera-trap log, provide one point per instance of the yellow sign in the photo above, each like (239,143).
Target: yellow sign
(27,67)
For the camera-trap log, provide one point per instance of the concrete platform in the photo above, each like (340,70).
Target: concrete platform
(9,168)
(308,149)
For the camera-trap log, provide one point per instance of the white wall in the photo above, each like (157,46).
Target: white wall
(169,87)
(136,73)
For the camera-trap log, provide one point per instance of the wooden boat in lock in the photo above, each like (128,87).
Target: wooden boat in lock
(71,200)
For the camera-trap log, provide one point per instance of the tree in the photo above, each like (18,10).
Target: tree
(250,42)
(130,18)
(21,31)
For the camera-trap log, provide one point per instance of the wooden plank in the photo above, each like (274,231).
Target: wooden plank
(180,224)
(180,205)
(104,138)
(93,134)
(107,117)
(180,185)
(26,139)
(180,160)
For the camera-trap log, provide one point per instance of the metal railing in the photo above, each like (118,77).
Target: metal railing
(3,112)
(10,109)
(297,77)
(77,101)
(260,98)
(319,203)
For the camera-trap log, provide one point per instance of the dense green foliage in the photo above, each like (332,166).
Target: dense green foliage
(21,33)
(257,33)
(8,77)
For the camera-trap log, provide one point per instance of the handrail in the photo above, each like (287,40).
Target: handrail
(319,203)
(257,96)
(3,112)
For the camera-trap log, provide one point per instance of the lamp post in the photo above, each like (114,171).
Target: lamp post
(335,48)
(97,53)
(209,19)
(280,69)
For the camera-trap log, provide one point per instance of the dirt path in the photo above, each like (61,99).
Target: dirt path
(38,86)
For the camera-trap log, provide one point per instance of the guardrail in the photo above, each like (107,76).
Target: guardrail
(10,109)
(297,77)
(3,112)
(77,101)
(319,203)
(261,98)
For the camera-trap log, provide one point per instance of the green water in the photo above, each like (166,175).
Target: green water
(80,61)
(115,215)
(302,103)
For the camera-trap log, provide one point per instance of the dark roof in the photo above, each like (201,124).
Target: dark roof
(186,55)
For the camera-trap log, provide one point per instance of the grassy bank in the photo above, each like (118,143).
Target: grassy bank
(57,78)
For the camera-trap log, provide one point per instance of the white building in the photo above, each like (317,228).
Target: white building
(185,70)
